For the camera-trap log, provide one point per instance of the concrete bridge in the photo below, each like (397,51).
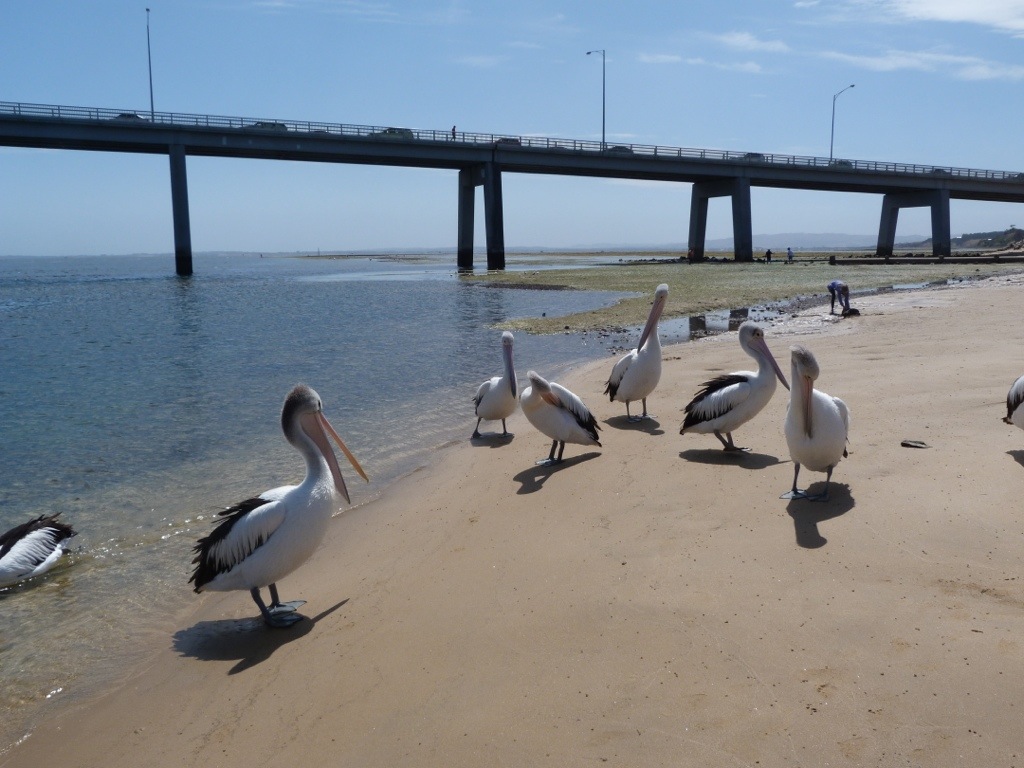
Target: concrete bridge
(480,159)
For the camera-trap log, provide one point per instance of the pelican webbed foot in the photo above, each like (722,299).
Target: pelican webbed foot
(552,460)
(289,607)
(728,445)
(279,614)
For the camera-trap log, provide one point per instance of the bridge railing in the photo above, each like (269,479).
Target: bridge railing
(392,133)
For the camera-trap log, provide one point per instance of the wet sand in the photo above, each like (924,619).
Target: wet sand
(653,602)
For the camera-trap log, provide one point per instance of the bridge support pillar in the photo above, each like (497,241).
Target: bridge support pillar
(937,200)
(742,228)
(494,217)
(489,176)
(469,180)
(179,210)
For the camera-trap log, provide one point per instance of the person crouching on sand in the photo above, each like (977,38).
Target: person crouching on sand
(839,290)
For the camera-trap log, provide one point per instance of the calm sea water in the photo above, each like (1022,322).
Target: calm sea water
(138,404)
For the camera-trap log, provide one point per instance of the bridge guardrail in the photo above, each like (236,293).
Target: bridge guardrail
(391,133)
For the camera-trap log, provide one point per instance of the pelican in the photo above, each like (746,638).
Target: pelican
(727,402)
(497,397)
(817,424)
(636,374)
(32,548)
(559,414)
(1014,413)
(263,539)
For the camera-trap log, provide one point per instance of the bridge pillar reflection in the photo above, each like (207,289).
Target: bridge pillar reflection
(937,200)
(742,229)
(179,210)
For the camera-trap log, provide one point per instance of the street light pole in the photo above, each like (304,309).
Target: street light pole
(149,58)
(831,141)
(603,81)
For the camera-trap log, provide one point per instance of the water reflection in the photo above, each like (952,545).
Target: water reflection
(722,321)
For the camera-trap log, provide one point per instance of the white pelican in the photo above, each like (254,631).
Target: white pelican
(817,424)
(636,374)
(559,414)
(1014,413)
(498,397)
(263,539)
(728,401)
(32,548)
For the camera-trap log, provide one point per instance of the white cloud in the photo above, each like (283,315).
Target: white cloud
(749,67)
(1005,15)
(960,67)
(659,58)
(744,41)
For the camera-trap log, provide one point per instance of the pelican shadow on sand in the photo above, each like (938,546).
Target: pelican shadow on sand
(718,457)
(808,513)
(650,425)
(1018,455)
(533,478)
(248,640)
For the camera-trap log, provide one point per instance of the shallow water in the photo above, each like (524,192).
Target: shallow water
(138,404)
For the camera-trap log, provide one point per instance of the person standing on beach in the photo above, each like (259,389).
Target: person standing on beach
(768,255)
(839,289)
(789,255)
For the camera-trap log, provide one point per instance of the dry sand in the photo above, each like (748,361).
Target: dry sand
(651,603)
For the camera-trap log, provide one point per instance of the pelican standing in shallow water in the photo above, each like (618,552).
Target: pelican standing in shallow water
(498,397)
(1014,398)
(559,414)
(32,548)
(261,540)
(637,373)
(727,402)
(817,424)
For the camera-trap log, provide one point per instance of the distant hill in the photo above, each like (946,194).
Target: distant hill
(1011,238)
(805,241)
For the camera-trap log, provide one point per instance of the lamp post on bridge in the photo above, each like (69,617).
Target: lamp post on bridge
(831,141)
(149,59)
(603,81)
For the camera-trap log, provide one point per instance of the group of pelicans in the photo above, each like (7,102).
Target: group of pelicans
(816,427)
(260,540)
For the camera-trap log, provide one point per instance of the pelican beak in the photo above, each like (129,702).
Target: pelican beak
(344,448)
(318,427)
(652,320)
(510,370)
(808,397)
(551,398)
(763,346)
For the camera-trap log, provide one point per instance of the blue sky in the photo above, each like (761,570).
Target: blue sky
(938,82)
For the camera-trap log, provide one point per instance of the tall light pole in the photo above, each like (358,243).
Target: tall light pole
(831,141)
(149,58)
(603,81)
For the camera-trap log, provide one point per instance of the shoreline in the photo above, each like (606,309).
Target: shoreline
(647,600)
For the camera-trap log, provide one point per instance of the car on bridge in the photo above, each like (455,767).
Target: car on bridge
(393,133)
(270,125)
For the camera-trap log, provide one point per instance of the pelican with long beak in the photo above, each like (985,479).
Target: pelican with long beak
(817,424)
(498,397)
(32,548)
(637,373)
(261,540)
(559,414)
(727,402)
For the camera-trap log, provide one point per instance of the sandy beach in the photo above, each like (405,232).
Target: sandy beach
(653,602)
